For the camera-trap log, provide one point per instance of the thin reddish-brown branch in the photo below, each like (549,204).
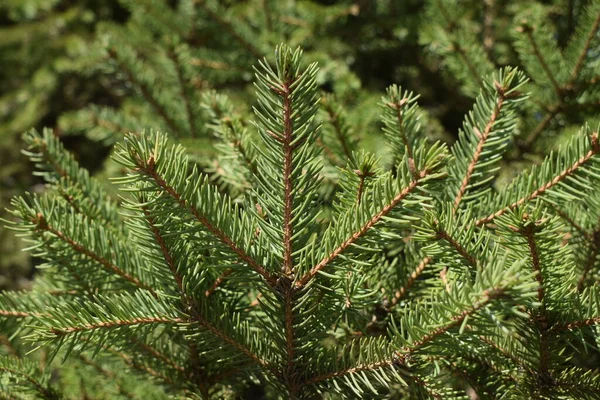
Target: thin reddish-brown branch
(411,279)
(183,94)
(538,54)
(39,387)
(288,136)
(575,324)
(502,351)
(590,261)
(442,234)
(363,230)
(541,317)
(160,181)
(191,304)
(488,295)
(537,131)
(456,46)
(288,232)
(402,355)
(109,266)
(158,355)
(108,374)
(483,137)
(218,282)
(358,368)
(547,186)
(15,314)
(587,235)
(335,122)
(115,324)
(228,26)
(580,60)
(134,364)
(145,92)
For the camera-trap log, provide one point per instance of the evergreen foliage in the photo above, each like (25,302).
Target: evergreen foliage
(308,268)
(105,68)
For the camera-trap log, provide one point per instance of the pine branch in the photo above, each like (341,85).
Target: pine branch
(486,297)
(401,116)
(229,27)
(340,127)
(114,324)
(541,126)
(485,134)
(190,304)
(401,357)
(483,137)
(400,293)
(145,92)
(109,266)
(204,221)
(575,325)
(595,26)
(148,167)
(442,234)
(182,91)
(131,362)
(287,138)
(560,178)
(25,373)
(158,355)
(528,30)
(218,282)
(540,320)
(109,375)
(417,181)
(590,261)
(58,167)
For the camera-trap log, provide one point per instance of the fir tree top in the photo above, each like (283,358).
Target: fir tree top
(420,280)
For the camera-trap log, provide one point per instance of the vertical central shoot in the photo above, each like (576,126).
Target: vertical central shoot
(286,109)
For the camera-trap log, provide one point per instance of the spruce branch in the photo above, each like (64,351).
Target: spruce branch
(579,157)
(442,234)
(145,91)
(110,375)
(364,228)
(590,261)
(341,128)
(25,373)
(157,355)
(179,68)
(131,362)
(541,319)
(159,180)
(59,168)
(401,116)
(486,131)
(151,158)
(582,40)
(286,110)
(528,31)
(79,248)
(230,28)
(401,292)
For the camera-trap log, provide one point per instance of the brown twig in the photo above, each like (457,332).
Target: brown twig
(114,324)
(483,137)
(411,279)
(150,170)
(145,92)
(109,266)
(364,229)
(547,186)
